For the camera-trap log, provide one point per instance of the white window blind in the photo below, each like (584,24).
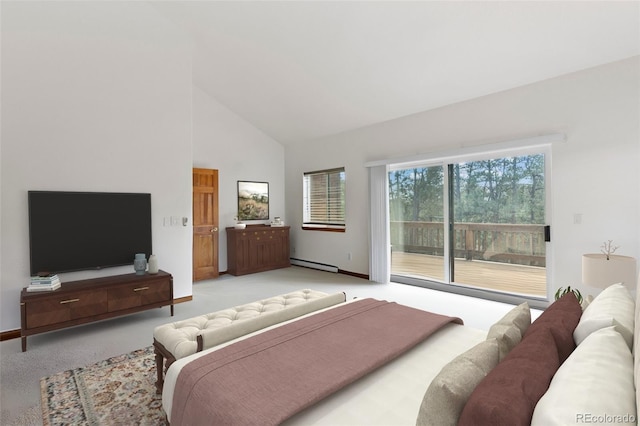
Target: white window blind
(324,198)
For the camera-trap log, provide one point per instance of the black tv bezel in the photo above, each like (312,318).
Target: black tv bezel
(100,265)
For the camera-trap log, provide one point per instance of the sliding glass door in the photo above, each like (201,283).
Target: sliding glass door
(417,228)
(477,224)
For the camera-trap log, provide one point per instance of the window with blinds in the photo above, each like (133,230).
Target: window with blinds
(324,200)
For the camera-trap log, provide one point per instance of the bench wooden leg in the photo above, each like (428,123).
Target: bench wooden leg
(160,370)
(164,359)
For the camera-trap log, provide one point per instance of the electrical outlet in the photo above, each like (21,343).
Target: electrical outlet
(349,256)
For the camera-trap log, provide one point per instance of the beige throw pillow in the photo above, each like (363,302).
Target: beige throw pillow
(520,316)
(448,392)
(509,329)
(508,336)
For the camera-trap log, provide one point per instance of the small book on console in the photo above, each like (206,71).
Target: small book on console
(49,279)
(44,287)
(44,283)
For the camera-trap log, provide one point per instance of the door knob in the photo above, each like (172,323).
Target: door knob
(214,229)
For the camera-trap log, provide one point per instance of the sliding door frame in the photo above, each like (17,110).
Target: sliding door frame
(536,145)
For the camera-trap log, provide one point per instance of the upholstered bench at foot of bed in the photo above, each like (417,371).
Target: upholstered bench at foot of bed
(182,338)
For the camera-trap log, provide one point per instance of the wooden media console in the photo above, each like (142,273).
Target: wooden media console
(85,301)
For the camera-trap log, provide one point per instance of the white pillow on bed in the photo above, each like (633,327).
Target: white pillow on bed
(613,307)
(595,381)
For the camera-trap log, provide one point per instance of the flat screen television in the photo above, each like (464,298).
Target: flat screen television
(73,231)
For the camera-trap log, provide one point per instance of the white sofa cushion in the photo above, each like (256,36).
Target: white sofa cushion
(594,385)
(615,307)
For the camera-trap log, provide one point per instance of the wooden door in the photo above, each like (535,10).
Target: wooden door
(205,224)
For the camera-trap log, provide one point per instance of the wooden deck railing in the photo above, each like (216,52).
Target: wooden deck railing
(504,243)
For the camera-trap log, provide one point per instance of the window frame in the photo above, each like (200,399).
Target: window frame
(325,224)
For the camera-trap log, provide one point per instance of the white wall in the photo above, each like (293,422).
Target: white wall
(594,173)
(224,141)
(96,96)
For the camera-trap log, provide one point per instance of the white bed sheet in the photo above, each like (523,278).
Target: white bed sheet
(390,395)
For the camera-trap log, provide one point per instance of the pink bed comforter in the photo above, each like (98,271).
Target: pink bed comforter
(272,376)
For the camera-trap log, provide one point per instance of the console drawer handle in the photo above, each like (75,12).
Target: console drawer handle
(62,302)
(141,288)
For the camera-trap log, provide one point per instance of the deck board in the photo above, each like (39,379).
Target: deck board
(504,277)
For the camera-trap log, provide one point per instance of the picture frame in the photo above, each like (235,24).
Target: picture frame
(253,200)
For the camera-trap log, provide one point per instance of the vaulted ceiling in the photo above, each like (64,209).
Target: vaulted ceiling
(300,70)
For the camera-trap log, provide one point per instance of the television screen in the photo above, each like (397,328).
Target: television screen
(72,231)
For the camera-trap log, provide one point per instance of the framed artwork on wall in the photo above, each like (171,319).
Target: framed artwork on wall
(253,200)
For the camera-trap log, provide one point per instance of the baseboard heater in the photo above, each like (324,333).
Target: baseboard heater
(314,265)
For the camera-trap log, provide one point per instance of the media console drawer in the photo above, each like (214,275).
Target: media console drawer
(85,301)
(58,308)
(138,294)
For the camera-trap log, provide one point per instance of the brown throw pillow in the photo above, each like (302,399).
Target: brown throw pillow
(561,318)
(510,392)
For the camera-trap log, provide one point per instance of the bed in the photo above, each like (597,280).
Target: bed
(517,372)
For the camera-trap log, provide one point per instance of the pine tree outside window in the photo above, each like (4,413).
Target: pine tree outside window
(324,200)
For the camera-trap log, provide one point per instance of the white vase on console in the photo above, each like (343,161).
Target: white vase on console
(153,264)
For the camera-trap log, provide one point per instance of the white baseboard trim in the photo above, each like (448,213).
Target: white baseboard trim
(314,265)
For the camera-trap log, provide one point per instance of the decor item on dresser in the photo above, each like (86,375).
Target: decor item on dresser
(253,200)
(277,221)
(140,263)
(153,264)
(239,224)
(257,248)
(603,269)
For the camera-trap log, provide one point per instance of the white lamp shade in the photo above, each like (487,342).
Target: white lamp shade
(597,271)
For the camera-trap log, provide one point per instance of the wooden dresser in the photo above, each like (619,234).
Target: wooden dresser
(257,248)
(84,301)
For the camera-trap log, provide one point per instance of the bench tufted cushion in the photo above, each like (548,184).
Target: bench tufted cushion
(181,337)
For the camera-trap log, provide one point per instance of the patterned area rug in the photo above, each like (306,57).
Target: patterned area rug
(118,391)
